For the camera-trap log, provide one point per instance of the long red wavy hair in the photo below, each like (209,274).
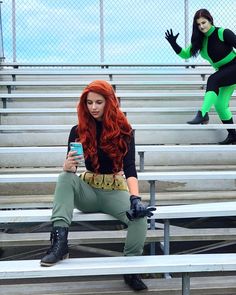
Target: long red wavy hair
(116,132)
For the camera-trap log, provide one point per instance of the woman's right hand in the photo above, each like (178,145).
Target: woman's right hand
(71,162)
(170,37)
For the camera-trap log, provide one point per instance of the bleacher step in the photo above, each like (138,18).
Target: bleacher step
(47,157)
(167,184)
(118,236)
(162,198)
(58,169)
(204,285)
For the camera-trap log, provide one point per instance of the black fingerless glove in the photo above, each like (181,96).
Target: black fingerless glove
(138,209)
(172,40)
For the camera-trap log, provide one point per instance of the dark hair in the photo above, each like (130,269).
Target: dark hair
(197,35)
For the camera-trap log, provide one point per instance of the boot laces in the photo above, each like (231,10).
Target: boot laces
(55,243)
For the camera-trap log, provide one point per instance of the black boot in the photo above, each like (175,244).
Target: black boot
(59,247)
(199,119)
(135,282)
(231,138)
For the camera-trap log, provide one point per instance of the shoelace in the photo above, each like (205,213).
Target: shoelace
(54,238)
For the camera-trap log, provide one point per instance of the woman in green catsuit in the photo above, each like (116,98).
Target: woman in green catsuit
(216,45)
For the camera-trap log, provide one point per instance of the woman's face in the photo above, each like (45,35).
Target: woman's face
(95,104)
(204,24)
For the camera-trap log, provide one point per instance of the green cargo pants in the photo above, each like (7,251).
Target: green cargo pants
(72,192)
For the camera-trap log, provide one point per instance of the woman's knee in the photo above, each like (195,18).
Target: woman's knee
(66,176)
(213,84)
(65,183)
(139,223)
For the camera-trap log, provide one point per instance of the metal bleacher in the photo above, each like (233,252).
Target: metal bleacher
(178,164)
(40,116)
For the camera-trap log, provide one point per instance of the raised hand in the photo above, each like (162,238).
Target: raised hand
(170,37)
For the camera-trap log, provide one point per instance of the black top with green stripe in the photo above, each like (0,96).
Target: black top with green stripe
(218,47)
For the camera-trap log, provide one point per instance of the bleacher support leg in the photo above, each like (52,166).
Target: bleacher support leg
(166,237)
(4,102)
(167,243)
(152,222)
(185,284)
(141,161)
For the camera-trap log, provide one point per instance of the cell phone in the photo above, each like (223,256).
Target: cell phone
(77,146)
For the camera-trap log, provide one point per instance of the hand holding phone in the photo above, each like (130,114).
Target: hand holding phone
(77,146)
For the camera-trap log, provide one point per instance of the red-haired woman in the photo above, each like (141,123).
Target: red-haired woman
(109,151)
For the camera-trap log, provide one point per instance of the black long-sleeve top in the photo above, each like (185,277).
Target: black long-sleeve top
(106,164)
(218,47)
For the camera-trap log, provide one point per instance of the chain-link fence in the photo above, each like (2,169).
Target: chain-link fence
(84,31)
